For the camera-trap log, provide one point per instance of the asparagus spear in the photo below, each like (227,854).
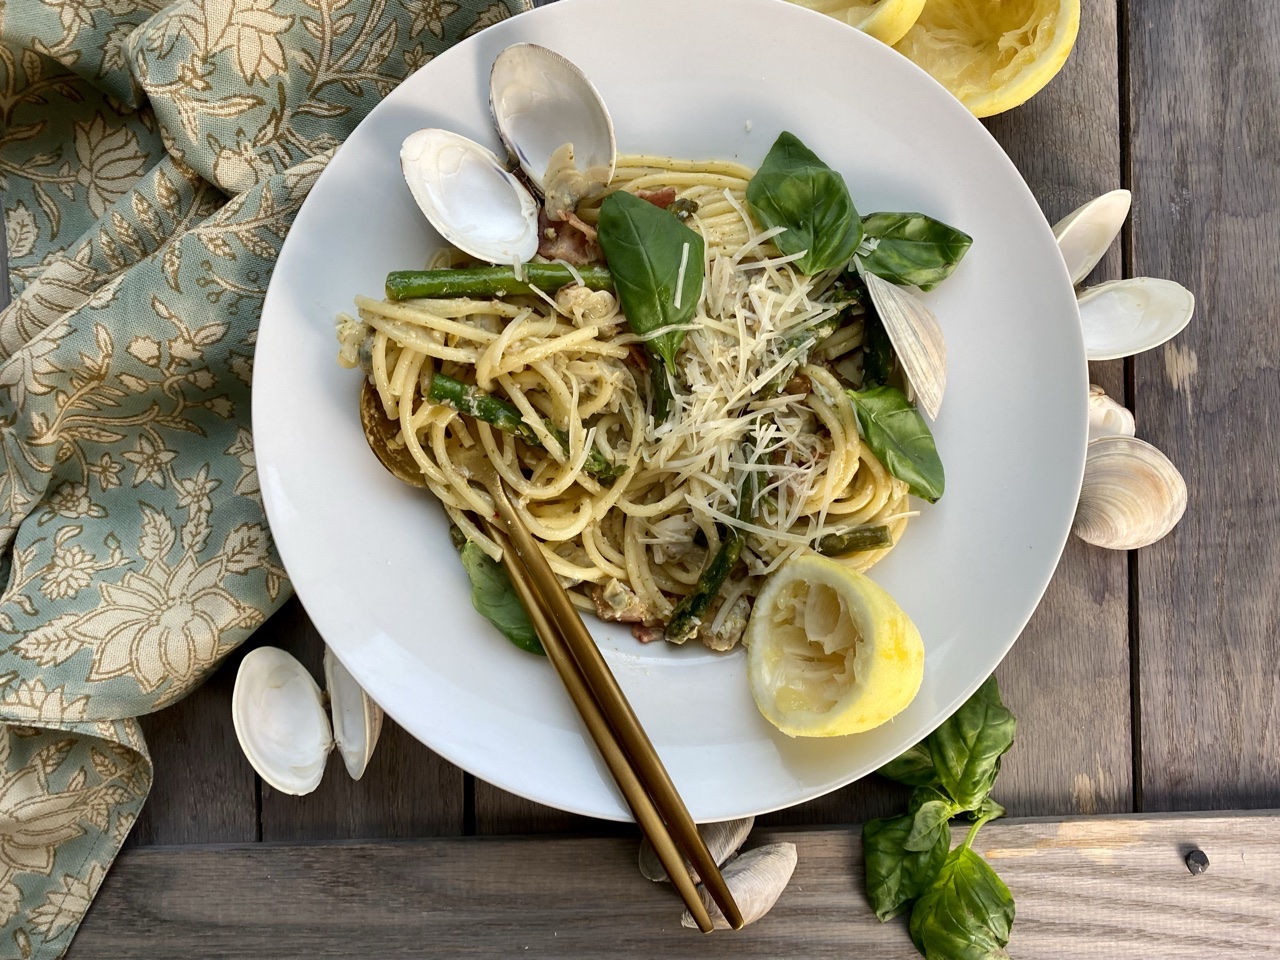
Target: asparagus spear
(854,541)
(490,281)
(688,614)
(474,402)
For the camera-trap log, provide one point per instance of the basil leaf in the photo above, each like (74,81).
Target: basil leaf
(645,246)
(796,190)
(900,439)
(914,768)
(967,747)
(495,599)
(895,875)
(913,249)
(966,912)
(931,811)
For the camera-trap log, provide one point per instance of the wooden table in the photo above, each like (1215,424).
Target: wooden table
(1146,682)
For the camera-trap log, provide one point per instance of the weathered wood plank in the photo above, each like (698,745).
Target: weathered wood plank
(1091,887)
(407,791)
(1073,758)
(1206,146)
(204,789)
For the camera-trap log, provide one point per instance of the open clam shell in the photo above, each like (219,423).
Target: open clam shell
(357,720)
(540,102)
(756,879)
(916,337)
(1124,317)
(471,199)
(1085,234)
(722,839)
(1106,417)
(280,720)
(1132,495)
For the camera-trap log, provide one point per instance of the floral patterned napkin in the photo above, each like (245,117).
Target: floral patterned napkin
(152,157)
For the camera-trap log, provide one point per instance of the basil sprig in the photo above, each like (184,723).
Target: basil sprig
(900,439)
(645,246)
(495,599)
(912,249)
(959,907)
(796,190)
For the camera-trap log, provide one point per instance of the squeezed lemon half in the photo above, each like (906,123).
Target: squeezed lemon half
(993,54)
(886,20)
(829,652)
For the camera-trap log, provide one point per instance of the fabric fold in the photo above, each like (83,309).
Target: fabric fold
(152,158)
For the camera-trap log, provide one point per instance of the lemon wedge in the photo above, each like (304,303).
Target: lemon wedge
(829,652)
(886,20)
(993,54)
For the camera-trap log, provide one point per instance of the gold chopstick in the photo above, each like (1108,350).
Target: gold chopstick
(646,814)
(619,719)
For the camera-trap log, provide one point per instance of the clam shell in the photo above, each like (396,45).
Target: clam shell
(916,337)
(470,197)
(756,879)
(279,718)
(1131,496)
(722,839)
(357,720)
(541,101)
(1124,317)
(1085,234)
(1106,417)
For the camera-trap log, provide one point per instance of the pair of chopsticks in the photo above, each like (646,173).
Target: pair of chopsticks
(613,726)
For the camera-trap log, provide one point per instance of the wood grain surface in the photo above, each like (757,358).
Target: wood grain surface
(1205,107)
(1067,677)
(1086,887)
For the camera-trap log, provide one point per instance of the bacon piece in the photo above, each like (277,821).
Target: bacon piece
(562,240)
(647,634)
(659,198)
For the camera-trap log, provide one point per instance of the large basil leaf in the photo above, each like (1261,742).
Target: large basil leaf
(914,768)
(966,912)
(967,747)
(495,599)
(900,439)
(931,813)
(796,190)
(645,246)
(913,249)
(895,875)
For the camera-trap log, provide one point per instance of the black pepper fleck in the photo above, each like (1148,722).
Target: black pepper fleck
(1197,862)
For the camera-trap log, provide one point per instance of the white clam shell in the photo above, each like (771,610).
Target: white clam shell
(357,720)
(469,197)
(280,721)
(1124,317)
(756,879)
(916,337)
(1085,234)
(1106,417)
(541,101)
(1132,495)
(722,839)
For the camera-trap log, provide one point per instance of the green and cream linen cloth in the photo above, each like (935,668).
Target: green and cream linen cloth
(152,157)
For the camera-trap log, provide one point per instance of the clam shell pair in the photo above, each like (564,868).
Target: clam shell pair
(1122,317)
(280,720)
(557,131)
(1132,495)
(755,878)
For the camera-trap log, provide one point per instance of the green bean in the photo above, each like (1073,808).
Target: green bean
(688,614)
(856,540)
(474,402)
(491,281)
